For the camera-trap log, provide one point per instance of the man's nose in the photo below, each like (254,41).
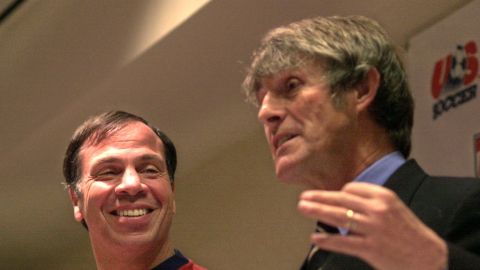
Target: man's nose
(271,111)
(131,184)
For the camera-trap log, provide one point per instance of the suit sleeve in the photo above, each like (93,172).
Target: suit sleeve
(463,235)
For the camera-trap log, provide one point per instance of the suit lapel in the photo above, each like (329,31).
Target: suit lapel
(406,181)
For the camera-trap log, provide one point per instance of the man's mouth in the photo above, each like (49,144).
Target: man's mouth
(283,139)
(132,212)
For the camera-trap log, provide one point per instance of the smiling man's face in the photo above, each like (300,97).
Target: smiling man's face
(125,192)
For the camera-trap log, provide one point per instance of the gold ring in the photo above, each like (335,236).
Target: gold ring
(351,224)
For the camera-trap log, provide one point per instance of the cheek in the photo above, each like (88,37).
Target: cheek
(95,194)
(313,120)
(162,191)
(307,110)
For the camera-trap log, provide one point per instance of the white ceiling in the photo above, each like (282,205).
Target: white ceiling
(61,61)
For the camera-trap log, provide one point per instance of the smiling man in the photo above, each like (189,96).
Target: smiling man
(337,113)
(120,175)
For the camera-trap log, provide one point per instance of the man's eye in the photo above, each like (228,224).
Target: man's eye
(106,174)
(292,84)
(150,169)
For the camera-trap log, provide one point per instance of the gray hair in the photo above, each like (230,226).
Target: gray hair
(346,48)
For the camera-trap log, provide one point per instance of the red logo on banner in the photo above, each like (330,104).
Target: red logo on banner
(450,74)
(459,68)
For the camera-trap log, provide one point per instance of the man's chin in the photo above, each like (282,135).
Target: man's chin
(133,239)
(287,173)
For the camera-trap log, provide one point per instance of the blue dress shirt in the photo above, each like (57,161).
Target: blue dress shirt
(379,172)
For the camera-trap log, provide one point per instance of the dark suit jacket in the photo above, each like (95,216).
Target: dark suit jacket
(449,206)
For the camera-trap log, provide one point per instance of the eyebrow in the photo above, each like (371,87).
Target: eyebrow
(105,160)
(146,157)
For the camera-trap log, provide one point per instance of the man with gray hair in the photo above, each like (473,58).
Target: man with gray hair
(337,113)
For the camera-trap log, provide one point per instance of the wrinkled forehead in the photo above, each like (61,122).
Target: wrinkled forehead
(272,62)
(310,70)
(131,135)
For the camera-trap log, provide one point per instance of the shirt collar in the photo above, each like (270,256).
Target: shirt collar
(174,262)
(379,172)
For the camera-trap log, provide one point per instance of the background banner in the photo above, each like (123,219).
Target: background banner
(443,70)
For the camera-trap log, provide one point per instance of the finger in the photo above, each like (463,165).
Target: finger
(322,212)
(366,190)
(352,245)
(336,198)
(355,223)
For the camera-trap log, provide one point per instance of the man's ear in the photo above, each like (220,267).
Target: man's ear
(367,89)
(174,204)
(77,213)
